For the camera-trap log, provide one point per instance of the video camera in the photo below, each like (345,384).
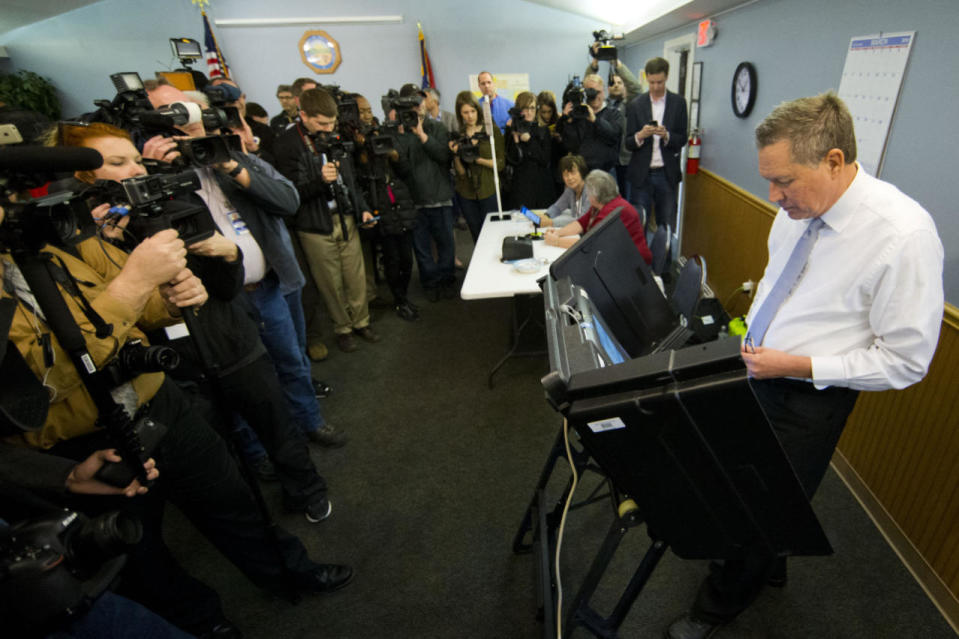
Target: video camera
(406,108)
(56,565)
(605,50)
(220,115)
(334,145)
(466,150)
(377,138)
(579,97)
(348,110)
(131,110)
(152,207)
(61,218)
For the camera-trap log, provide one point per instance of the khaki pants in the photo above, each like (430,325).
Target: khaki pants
(337,267)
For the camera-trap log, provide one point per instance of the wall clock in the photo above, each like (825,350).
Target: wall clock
(744,89)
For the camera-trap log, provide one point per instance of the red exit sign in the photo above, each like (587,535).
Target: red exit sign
(707,33)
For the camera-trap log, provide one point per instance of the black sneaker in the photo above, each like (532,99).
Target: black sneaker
(322,389)
(406,312)
(222,630)
(263,469)
(328,437)
(318,511)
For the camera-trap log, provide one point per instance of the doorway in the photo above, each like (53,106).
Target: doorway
(680,52)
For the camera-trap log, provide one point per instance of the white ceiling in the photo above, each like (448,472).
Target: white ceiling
(19,13)
(642,19)
(639,19)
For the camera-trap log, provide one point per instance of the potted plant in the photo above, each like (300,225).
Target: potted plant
(30,91)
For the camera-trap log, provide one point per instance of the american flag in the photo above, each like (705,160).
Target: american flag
(215,63)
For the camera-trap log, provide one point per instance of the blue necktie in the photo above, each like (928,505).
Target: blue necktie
(787,281)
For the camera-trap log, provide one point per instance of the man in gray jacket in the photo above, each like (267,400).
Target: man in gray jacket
(424,161)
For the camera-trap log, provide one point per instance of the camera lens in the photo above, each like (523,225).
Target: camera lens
(105,536)
(201,154)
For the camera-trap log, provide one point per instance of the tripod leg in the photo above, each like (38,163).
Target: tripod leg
(526,525)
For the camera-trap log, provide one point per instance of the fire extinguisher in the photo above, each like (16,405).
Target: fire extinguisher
(692,155)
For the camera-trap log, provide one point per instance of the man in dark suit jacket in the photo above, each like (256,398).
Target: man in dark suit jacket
(656,131)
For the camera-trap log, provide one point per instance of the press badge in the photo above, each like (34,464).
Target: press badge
(239,226)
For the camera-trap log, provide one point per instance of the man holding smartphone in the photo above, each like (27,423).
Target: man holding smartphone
(656,131)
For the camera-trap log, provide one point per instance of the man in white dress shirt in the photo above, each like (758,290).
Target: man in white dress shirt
(860,309)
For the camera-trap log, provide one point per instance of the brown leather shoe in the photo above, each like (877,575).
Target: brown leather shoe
(346,342)
(367,334)
(317,351)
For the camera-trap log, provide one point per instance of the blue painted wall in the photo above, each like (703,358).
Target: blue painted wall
(79,50)
(799,48)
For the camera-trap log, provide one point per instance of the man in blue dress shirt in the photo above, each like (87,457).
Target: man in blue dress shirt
(499,106)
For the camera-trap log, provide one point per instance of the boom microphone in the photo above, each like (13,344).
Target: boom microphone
(48,159)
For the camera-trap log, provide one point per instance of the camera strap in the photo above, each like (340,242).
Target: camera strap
(62,276)
(38,275)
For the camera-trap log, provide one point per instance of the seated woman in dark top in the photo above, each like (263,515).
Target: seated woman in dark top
(604,198)
(528,149)
(573,201)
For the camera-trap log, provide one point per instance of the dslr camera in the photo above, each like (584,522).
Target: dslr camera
(519,124)
(468,152)
(579,97)
(55,565)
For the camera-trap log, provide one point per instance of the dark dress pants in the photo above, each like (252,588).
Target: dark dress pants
(398,263)
(254,392)
(808,423)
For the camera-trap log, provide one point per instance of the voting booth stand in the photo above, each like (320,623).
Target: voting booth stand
(676,431)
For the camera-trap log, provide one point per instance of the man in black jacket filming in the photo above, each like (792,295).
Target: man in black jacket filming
(318,162)
(591,128)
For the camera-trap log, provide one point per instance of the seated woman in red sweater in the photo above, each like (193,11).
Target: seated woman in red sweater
(604,198)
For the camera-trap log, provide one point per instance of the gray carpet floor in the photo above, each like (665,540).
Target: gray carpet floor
(432,486)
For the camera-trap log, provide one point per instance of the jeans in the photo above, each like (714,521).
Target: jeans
(656,194)
(119,618)
(475,212)
(284,335)
(435,224)
(622,181)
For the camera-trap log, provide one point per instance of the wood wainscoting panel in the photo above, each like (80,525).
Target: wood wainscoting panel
(905,447)
(900,450)
(728,227)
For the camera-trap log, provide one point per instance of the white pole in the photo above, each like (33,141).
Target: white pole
(488,118)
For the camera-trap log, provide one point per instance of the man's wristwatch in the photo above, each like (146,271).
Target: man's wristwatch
(236,171)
